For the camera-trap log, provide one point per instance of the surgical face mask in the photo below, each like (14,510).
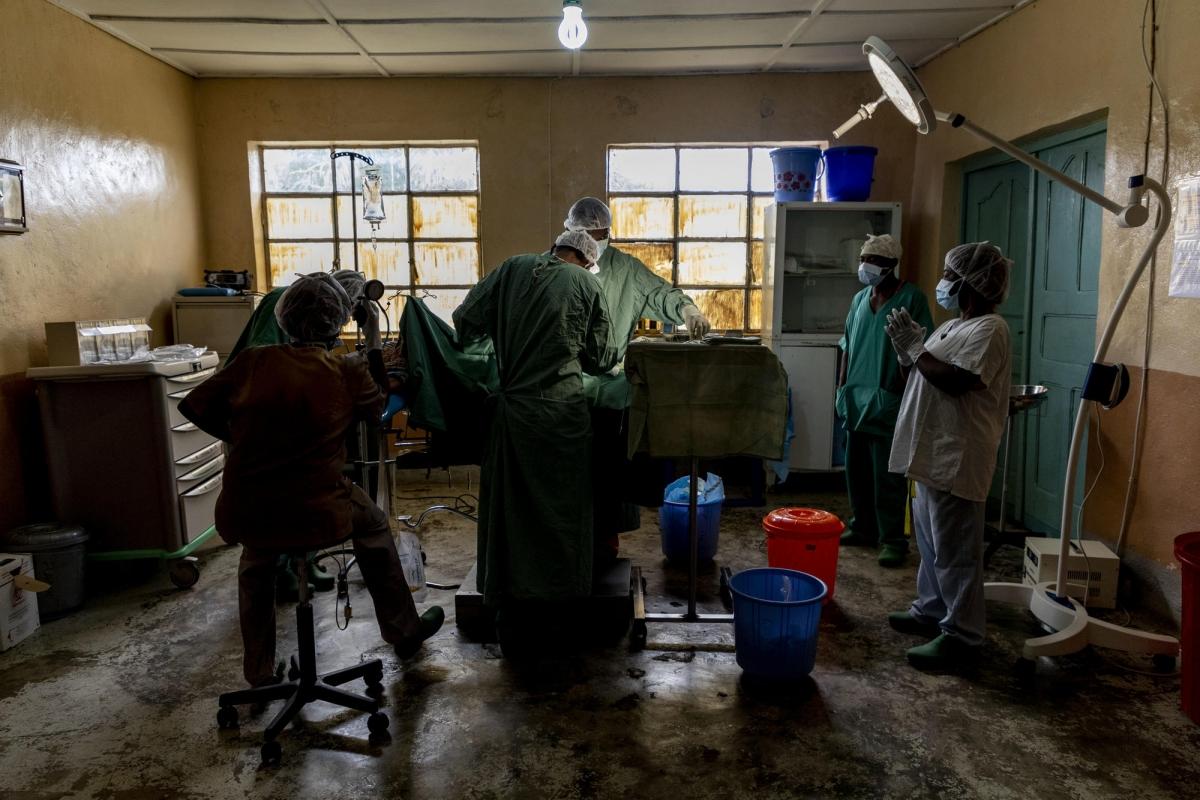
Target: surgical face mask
(601,246)
(947,293)
(870,274)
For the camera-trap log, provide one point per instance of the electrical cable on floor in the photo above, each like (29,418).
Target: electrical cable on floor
(1151,61)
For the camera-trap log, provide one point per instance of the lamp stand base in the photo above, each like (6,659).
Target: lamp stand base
(1074,628)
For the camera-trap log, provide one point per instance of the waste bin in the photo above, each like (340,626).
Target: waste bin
(59,557)
(805,539)
(1187,550)
(776,618)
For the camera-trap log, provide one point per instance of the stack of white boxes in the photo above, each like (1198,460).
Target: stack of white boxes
(18,607)
(1091,567)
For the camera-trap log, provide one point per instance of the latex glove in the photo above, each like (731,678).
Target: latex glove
(908,338)
(368,323)
(697,323)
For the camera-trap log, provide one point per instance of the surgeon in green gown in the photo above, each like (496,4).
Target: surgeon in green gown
(549,324)
(633,292)
(870,387)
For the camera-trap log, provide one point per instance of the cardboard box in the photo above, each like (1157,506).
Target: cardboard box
(1041,566)
(71,344)
(18,607)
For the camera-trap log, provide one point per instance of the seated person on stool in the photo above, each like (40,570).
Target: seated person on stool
(285,411)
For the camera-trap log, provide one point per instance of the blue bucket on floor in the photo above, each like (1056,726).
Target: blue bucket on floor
(673,520)
(776,616)
(849,172)
(796,172)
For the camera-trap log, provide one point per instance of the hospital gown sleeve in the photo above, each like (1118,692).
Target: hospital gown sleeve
(663,301)
(599,347)
(986,351)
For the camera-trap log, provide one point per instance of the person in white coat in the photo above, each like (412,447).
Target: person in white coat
(949,427)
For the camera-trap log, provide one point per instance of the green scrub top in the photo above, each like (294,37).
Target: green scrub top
(262,329)
(632,292)
(870,400)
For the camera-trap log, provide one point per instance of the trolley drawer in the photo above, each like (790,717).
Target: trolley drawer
(197,508)
(186,439)
(193,461)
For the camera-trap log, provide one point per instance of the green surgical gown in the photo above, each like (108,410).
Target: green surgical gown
(870,400)
(262,329)
(633,292)
(549,324)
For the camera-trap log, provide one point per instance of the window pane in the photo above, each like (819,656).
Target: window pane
(713,169)
(754,323)
(710,263)
(445,217)
(657,256)
(724,307)
(444,169)
(395,226)
(762,174)
(383,261)
(306,170)
(643,217)
(708,216)
(641,169)
(446,263)
(393,169)
(289,258)
(757,256)
(443,302)
(299,218)
(761,204)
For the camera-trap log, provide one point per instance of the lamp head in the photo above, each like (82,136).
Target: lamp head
(900,84)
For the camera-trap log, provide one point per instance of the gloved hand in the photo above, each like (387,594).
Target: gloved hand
(369,325)
(908,338)
(697,324)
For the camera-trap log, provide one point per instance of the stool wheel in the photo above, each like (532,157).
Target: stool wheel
(227,718)
(377,723)
(184,573)
(271,753)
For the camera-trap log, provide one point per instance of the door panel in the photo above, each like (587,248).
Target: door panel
(1066,269)
(996,209)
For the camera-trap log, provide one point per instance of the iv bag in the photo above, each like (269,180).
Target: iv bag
(372,198)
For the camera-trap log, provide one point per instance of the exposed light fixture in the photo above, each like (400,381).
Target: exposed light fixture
(572,31)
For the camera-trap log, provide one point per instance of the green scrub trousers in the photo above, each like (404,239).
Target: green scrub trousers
(878,498)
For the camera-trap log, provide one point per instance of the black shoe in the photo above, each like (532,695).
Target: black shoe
(430,623)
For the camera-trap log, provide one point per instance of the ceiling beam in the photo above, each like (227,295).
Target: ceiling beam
(320,8)
(801,27)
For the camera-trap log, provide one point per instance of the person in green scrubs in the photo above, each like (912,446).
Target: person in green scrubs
(632,292)
(870,386)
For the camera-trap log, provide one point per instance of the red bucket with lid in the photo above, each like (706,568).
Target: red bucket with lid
(1187,550)
(804,539)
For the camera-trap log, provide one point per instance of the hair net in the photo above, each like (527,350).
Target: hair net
(581,241)
(884,246)
(352,282)
(588,214)
(983,267)
(313,309)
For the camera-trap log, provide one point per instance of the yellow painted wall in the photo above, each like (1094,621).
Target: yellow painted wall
(1054,63)
(107,136)
(542,141)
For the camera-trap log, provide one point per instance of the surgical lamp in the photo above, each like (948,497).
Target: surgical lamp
(1049,602)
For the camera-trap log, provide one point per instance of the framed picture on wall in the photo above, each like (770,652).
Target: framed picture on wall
(12,197)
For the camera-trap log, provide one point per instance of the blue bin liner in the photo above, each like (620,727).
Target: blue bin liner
(776,617)
(673,518)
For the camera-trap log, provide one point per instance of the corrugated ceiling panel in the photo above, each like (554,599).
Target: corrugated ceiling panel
(558,63)
(237,64)
(237,36)
(856,27)
(390,9)
(456,38)
(674,61)
(274,9)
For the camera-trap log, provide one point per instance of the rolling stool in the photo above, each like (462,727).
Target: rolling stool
(305,685)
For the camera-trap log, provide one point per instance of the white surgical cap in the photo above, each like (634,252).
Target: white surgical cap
(588,214)
(983,267)
(352,281)
(581,241)
(884,246)
(313,309)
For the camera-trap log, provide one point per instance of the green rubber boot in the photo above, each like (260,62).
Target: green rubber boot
(319,577)
(431,623)
(852,538)
(943,654)
(892,556)
(906,623)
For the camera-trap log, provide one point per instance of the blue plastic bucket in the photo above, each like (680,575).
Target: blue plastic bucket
(796,172)
(776,616)
(673,520)
(849,172)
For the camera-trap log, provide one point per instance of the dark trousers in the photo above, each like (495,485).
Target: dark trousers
(878,498)
(381,571)
(612,513)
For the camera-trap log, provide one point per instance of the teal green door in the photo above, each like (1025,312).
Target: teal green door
(1062,332)
(996,210)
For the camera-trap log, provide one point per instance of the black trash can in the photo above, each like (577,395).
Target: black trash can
(59,558)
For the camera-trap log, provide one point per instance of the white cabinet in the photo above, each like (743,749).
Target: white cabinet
(812,253)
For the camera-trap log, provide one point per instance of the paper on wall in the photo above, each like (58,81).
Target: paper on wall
(1185,263)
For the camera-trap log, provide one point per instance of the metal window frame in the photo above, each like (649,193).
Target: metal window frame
(414,286)
(749,239)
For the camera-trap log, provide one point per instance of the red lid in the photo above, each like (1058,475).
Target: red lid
(1187,549)
(802,523)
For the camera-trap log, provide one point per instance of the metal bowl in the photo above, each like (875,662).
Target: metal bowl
(1024,397)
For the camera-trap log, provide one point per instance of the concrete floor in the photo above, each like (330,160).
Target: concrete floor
(119,701)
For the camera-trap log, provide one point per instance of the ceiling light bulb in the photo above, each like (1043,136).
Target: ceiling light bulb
(572,31)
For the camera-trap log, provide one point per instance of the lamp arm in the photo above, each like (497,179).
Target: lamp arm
(1110,328)
(959,121)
